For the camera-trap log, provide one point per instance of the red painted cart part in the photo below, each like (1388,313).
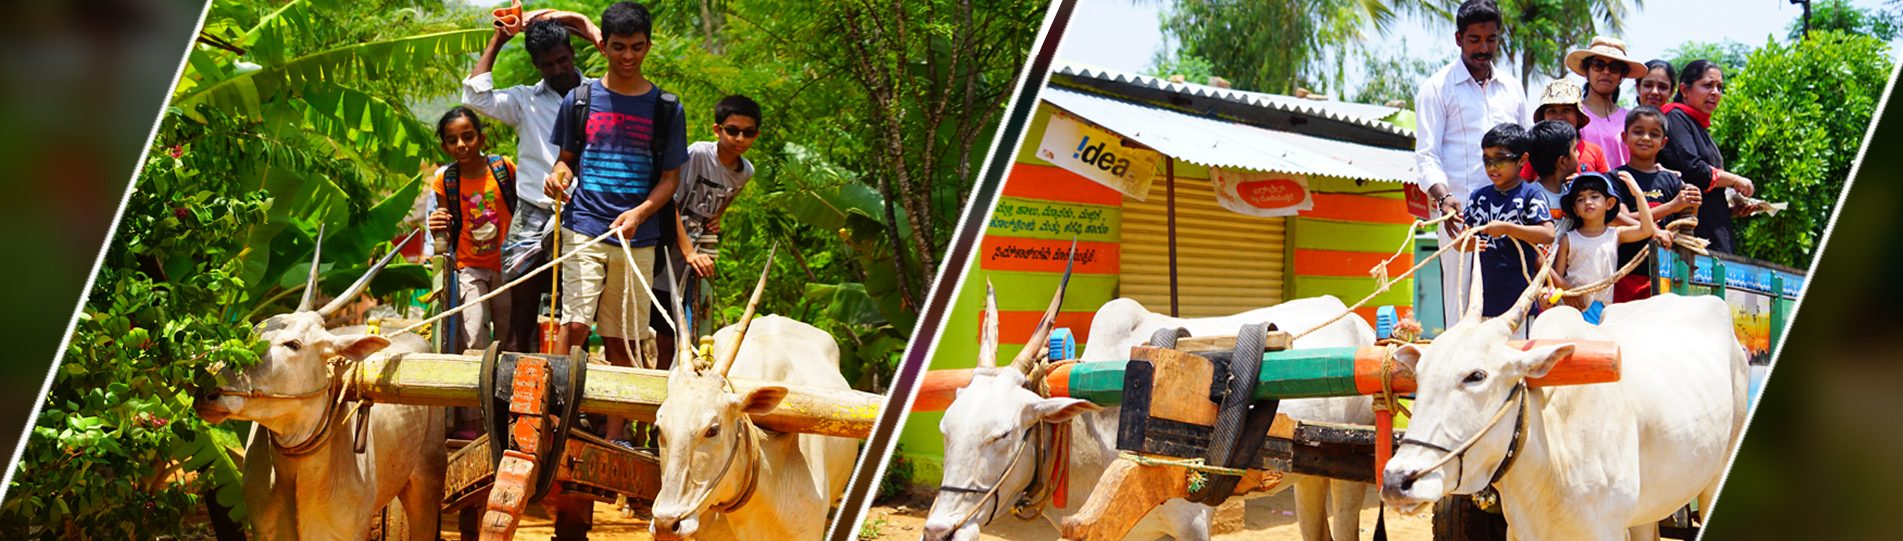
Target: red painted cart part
(1383,442)
(510,496)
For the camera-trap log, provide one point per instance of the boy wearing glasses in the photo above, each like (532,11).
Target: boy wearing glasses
(711,179)
(1509,212)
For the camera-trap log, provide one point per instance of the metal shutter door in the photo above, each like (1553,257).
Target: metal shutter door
(1226,262)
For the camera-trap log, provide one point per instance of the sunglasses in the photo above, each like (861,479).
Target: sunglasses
(1500,161)
(1599,64)
(737,132)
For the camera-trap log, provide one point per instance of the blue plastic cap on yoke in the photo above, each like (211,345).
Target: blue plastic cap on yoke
(1384,320)
(1063,344)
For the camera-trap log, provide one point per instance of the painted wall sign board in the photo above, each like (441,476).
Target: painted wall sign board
(1261,194)
(1098,155)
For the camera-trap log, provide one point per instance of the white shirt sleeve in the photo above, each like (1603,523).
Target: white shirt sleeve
(480,95)
(1430,121)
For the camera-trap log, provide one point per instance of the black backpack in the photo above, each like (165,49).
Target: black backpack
(663,120)
(452,187)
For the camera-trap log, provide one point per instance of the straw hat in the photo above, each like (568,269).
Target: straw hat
(1562,92)
(1608,48)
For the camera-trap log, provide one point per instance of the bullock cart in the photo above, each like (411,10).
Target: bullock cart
(535,452)
(1198,416)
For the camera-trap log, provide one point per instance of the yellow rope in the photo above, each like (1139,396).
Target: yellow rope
(1382,285)
(1192,464)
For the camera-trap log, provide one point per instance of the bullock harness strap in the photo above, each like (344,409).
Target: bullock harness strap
(991,493)
(1459,451)
(1053,461)
(752,448)
(321,436)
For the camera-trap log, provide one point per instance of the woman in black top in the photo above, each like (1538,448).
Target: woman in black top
(1690,151)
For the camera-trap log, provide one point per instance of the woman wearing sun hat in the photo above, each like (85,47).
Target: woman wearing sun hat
(1605,66)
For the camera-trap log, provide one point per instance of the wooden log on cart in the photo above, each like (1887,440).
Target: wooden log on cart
(434,379)
(1297,373)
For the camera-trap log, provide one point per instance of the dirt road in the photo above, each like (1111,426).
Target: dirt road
(1265,519)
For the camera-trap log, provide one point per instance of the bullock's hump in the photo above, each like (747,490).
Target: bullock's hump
(784,350)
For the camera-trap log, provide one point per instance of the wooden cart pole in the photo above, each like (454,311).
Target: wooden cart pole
(1169,176)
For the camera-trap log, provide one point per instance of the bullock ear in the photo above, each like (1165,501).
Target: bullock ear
(762,400)
(1408,355)
(1538,361)
(1057,410)
(357,347)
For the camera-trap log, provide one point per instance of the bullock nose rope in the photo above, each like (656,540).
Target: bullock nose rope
(1460,451)
(752,451)
(991,493)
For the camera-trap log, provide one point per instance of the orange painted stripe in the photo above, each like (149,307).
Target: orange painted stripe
(1347,264)
(1052,183)
(999,253)
(1014,327)
(1359,208)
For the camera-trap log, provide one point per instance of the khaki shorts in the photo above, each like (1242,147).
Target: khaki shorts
(598,277)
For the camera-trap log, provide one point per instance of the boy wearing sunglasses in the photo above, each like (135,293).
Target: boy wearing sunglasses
(1508,213)
(711,179)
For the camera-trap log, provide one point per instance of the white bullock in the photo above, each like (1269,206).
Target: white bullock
(1594,460)
(724,478)
(303,479)
(983,427)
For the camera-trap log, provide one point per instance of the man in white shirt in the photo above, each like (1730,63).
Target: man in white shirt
(531,109)
(1454,108)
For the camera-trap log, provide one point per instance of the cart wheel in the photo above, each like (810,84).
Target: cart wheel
(1456,518)
(390,524)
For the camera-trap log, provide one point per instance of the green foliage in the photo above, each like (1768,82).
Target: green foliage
(1260,46)
(898,476)
(1730,55)
(1839,15)
(1394,77)
(1193,68)
(1541,32)
(118,420)
(1277,46)
(1793,121)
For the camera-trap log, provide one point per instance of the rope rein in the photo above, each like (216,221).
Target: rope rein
(991,493)
(1459,451)
(748,436)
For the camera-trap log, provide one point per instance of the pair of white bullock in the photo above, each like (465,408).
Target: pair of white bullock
(303,481)
(1593,461)
(982,425)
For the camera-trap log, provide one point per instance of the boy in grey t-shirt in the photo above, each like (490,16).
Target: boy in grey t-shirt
(711,179)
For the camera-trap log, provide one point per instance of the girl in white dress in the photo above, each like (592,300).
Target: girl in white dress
(1590,251)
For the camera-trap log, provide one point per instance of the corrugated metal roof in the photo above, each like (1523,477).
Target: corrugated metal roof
(1355,113)
(1218,143)
(1389,164)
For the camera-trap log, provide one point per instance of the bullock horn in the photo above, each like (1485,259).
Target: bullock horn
(1039,344)
(1475,293)
(746,318)
(683,337)
(364,281)
(1525,302)
(988,340)
(310,284)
